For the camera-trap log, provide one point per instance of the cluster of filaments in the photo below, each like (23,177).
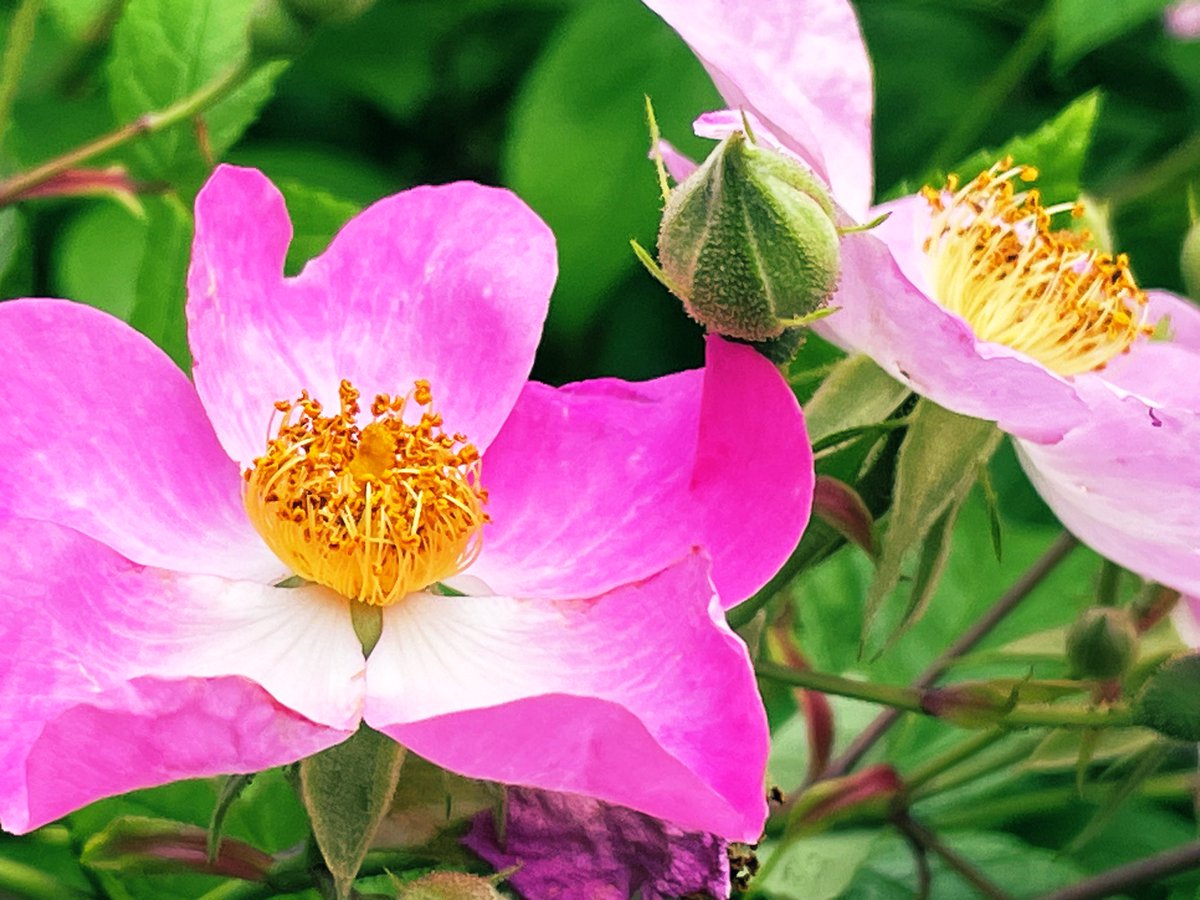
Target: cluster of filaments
(375,512)
(997,261)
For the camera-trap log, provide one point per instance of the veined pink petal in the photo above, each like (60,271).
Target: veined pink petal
(450,284)
(799,65)
(115,676)
(640,697)
(103,434)
(882,314)
(604,482)
(1126,483)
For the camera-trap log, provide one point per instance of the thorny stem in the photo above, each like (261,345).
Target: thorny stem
(12,189)
(1004,80)
(20,39)
(1057,552)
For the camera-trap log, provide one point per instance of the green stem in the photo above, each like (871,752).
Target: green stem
(1109,583)
(20,39)
(968,641)
(1013,805)
(960,752)
(980,767)
(987,101)
(1159,175)
(883,694)
(1031,715)
(12,188)
(25,881)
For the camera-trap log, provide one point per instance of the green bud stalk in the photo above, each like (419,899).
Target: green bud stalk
(748,242)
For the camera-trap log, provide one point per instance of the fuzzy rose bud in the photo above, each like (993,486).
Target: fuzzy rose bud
(970,704)
(1167,701)
(1102,643)
(748,242)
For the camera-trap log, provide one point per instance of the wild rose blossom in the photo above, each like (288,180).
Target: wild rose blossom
(551,563)
(975,297)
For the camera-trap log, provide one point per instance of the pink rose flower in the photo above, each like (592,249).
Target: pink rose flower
(974,299)
(552,564)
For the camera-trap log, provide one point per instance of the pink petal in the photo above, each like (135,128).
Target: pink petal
(678,166)
(604,482)
(449,284)
(115,676)
(883,314)
(640,697)
(1126,483)
(102,433)
(801,66)
(1164,373)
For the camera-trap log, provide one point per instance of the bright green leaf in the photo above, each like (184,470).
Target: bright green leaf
(1081,26)
(165,50)
(316,217)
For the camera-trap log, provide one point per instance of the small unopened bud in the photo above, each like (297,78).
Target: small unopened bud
(1167,701)
(449,886)
(870,793)
(748,242)
(1189,260)
(1102,644)
(971,704)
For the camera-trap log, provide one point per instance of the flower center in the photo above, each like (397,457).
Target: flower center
(996,261)
(375,512)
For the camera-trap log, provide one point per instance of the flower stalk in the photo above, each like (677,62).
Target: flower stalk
(16,188)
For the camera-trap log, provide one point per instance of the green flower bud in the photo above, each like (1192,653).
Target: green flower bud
(1167,701)
(449,886)
(748,242)
(1102,643)
(1189,260)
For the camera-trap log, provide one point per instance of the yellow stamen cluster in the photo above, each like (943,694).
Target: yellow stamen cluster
(375,512)
(997,261)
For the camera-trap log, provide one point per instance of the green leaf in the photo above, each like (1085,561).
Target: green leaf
(1057,149)
(939,462)
(856,394)
(161,292)
(1061,749)
(820,867)
(16,258)
(316,217)
(1081,26)
(1167,701)
(347,791)
(165,50)
(97,256)
(577,150)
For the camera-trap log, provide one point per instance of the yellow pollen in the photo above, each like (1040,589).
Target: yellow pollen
(997,261)
(375,512)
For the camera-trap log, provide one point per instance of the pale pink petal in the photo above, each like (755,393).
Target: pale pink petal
(1127,484)
(601,483)
(677,164)
(1164,373)
(104,434)
(882,314)
(450,284)
(801,66)
(116,676)
(1186,618)
(640,697)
